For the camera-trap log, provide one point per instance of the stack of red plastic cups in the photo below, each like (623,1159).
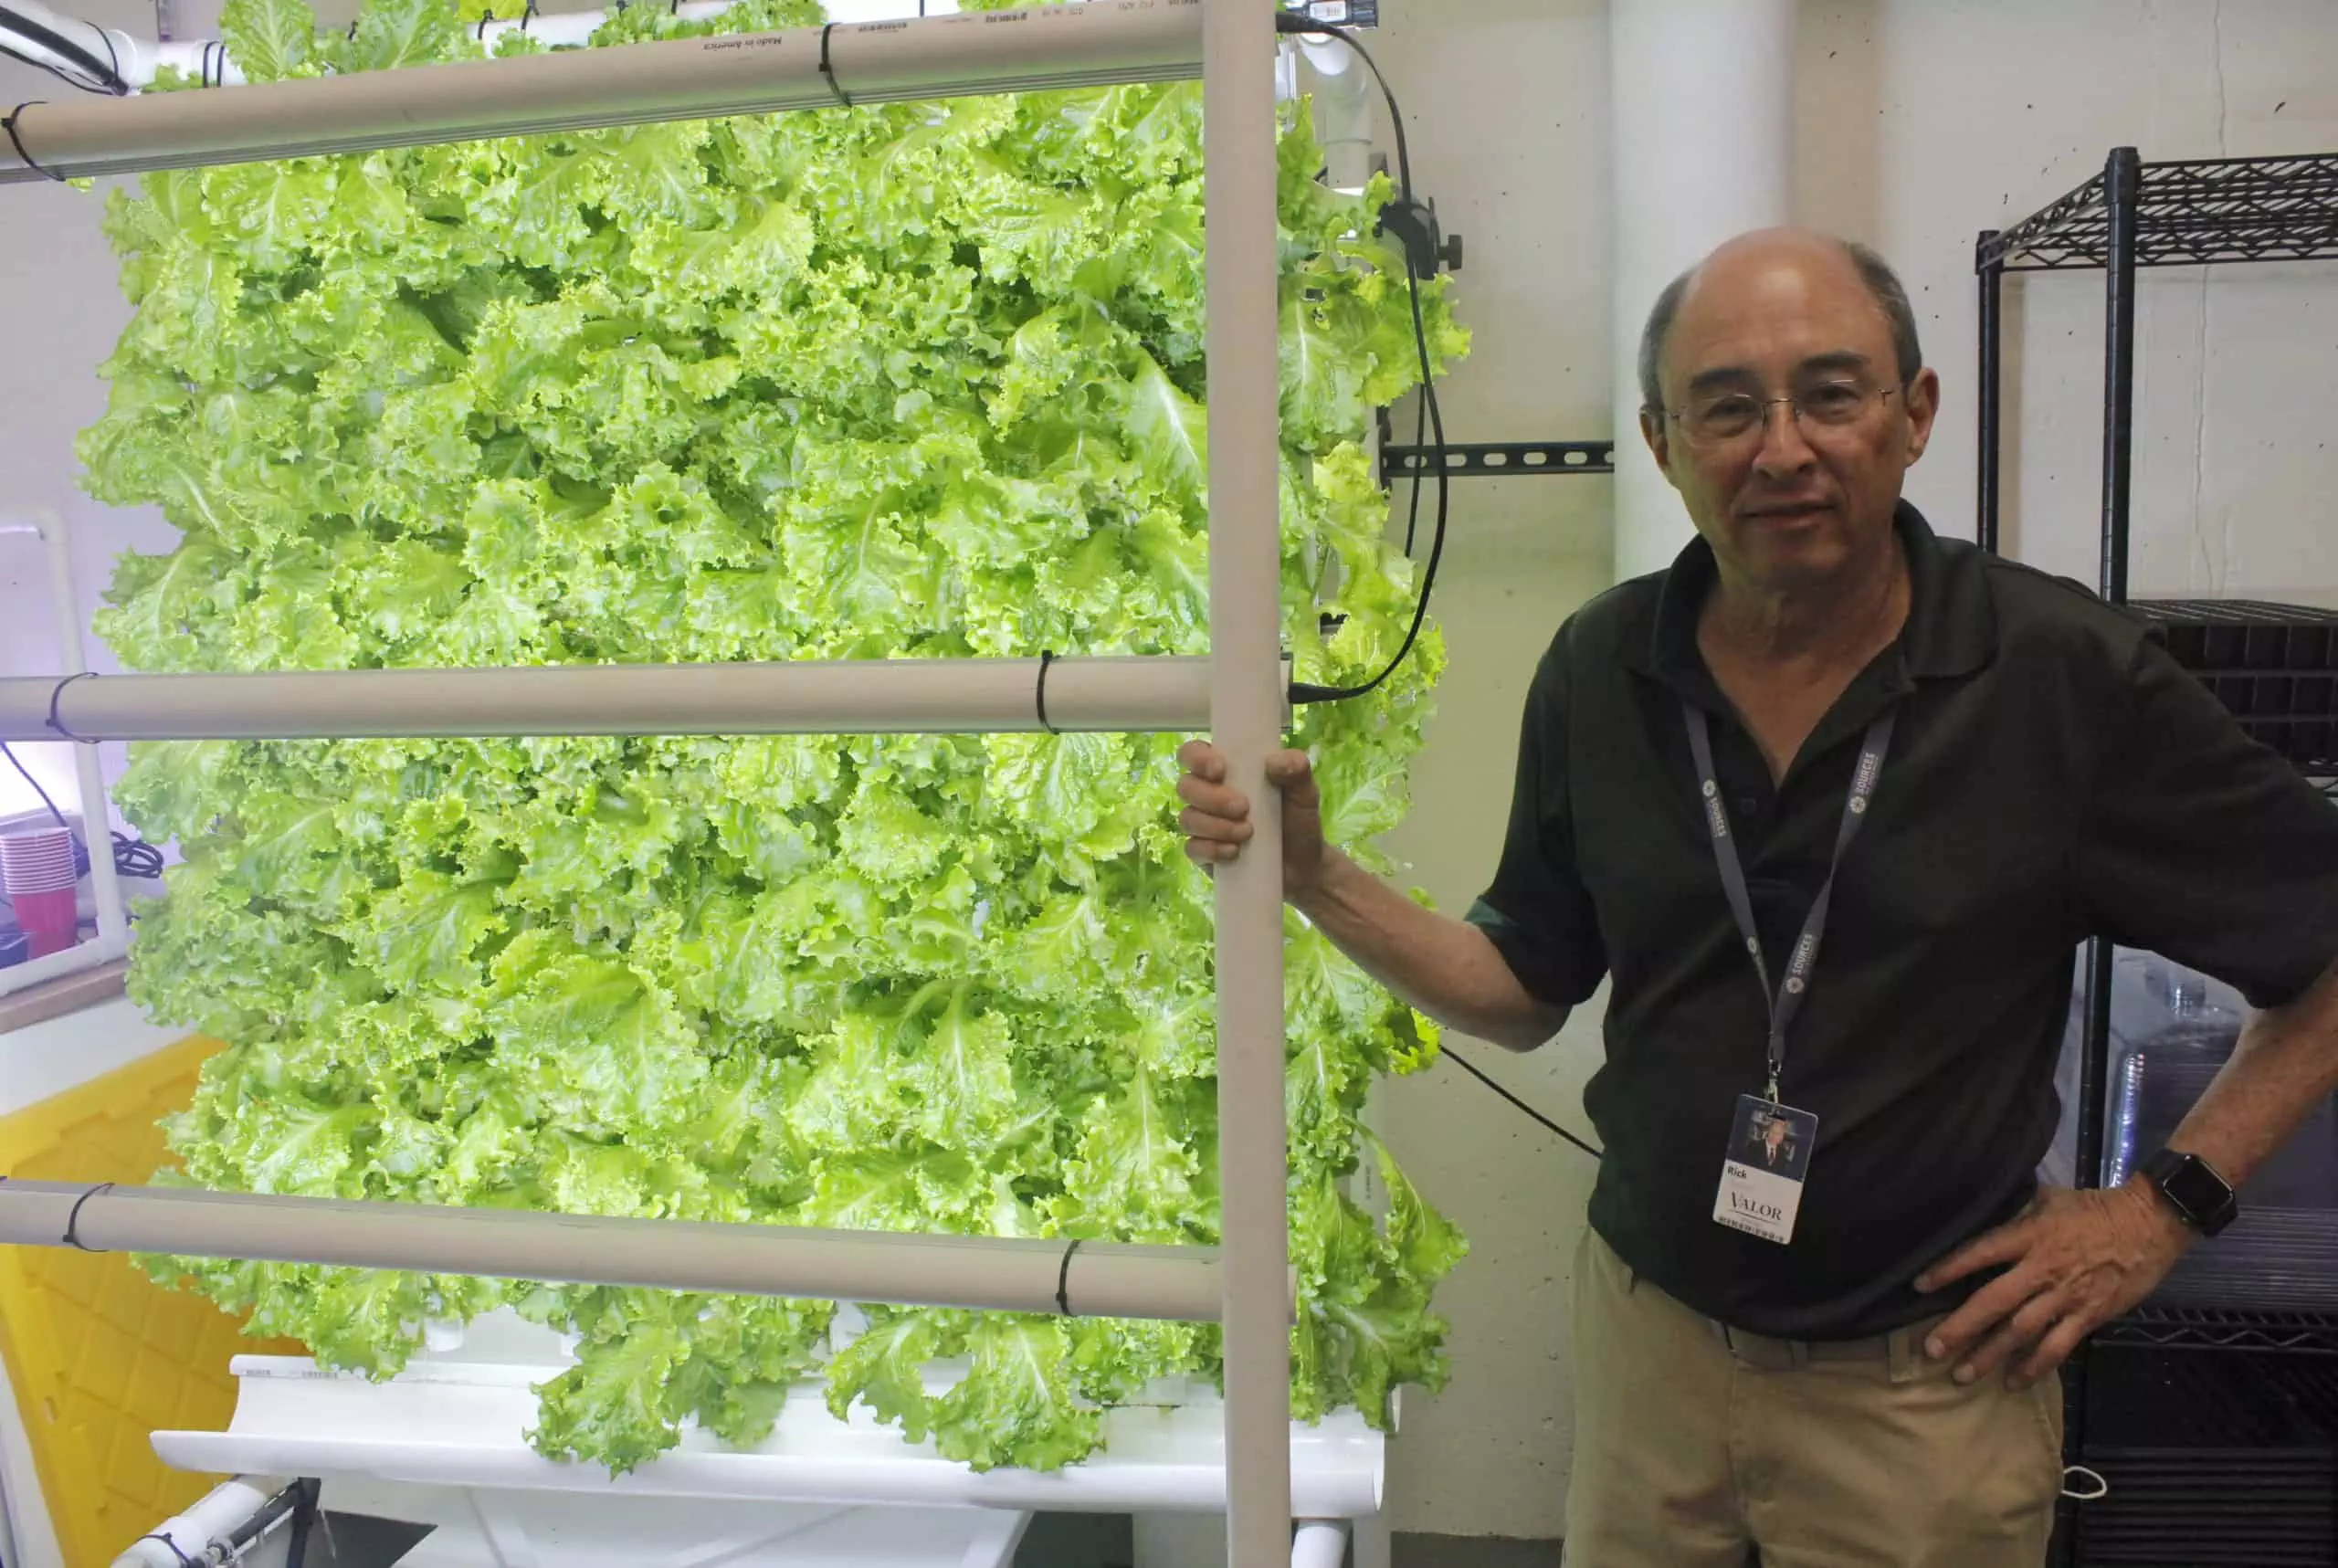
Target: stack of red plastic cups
(37,868)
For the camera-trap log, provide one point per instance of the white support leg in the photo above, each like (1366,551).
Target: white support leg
(97,821)
(1245,559)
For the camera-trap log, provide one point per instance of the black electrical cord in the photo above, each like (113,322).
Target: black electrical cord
(1429,411)
(131,856)
(108,75)
(1428,415)
(18,764)
(70,80)
(1533,1114)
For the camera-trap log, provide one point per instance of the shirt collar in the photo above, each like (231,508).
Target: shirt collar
(1952,626)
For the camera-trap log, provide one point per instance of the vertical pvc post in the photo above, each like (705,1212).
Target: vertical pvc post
(1246,719)
(97,821)
(1993,278)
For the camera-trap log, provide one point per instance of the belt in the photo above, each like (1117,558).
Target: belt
(1900,1348)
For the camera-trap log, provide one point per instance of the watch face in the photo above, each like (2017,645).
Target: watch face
(2193,1188)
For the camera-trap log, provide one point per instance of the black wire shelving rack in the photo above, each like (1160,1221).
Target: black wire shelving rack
(2132,214)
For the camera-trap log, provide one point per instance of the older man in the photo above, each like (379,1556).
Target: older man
(1825,725)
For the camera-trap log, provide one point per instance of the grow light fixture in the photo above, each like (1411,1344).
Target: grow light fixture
(1103,44)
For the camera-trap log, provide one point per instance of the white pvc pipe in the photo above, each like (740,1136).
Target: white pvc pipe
(984,1273)
(97,820)
(1343,94)
(935,696)
(209,62)
(99,950)
(1320,1543)
(1247,722)
(185,1538)
(105,45)
(682,79)
(113,940)
(909,1480)
(1703,135)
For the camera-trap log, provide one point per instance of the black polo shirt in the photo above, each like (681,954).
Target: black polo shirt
(2053,776)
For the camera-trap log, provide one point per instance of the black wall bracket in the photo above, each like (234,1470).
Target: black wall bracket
(1506,458)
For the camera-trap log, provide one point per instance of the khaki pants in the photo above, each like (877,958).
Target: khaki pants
(1690,1452)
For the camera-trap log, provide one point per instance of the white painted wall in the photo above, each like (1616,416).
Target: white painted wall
(1921,121)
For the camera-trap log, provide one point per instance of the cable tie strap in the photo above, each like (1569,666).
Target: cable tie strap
(73,1220)
(114,64)
(58,691)
(1063,1280)
(16,141)
(1046,657)
(828,71)
(174,1548)
(2100,1489)
(484,19)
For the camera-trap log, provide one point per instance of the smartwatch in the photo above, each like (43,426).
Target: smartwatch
(2201,1198)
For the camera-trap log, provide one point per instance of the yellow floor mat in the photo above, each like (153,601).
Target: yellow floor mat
(98,1355)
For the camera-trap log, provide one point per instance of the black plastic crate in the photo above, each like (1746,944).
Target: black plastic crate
(2274,667)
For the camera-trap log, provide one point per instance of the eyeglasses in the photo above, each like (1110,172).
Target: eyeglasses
(1727,417)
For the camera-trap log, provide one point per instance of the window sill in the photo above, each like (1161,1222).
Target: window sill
(66,994)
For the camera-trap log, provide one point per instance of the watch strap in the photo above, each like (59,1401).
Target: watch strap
(2170,1171)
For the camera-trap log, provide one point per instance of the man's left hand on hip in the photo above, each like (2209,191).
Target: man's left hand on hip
(2073,1260)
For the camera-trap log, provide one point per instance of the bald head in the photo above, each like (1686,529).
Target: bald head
(1820,259)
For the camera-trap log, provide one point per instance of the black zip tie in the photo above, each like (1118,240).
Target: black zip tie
(829,73)
(16,140)
(73,1220)
(528,16)
(184,1560)
(203,69)
(485,18)
(1063,1280)
(57,692)
(1046,657)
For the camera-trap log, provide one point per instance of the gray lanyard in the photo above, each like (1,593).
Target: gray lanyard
(1784,1001)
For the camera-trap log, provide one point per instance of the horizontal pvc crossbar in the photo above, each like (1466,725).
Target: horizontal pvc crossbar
(1045,48)
(1097,1280)
(862,697)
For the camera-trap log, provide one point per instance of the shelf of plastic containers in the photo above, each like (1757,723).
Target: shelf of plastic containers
(2171,1031)
(2274,667)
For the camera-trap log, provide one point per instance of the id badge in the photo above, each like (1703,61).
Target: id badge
(1762,1174)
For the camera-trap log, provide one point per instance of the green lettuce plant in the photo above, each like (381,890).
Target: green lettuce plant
(920,380)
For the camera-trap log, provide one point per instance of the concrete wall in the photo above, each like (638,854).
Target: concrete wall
(1921,121)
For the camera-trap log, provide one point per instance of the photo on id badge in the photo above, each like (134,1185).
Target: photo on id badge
(1772,1137)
